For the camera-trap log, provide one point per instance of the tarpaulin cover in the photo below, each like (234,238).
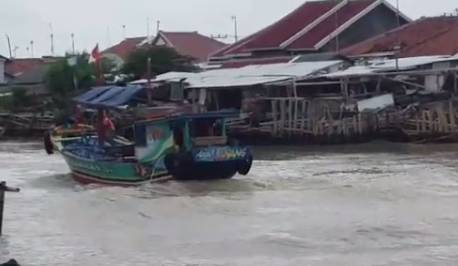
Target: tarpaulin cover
(109,96)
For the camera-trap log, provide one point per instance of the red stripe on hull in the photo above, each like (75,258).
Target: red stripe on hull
(86,180)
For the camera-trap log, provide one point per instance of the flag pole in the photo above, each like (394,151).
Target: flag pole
(99,73)
(95,57)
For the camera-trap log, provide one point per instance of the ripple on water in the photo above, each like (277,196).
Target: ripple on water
(341,207)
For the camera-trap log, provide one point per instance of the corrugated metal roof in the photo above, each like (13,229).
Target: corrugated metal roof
(248,75)
(389,65)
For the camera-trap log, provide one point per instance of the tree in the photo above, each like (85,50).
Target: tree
(163,60)
(16,100)
(64,81)
(19,96)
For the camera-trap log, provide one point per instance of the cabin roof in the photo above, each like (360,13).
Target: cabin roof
(111,97)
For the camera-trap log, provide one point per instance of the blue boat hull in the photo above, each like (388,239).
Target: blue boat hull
(189,166)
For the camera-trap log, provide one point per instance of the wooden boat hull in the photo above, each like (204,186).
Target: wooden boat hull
(92,171)
(85,179)
(112,173)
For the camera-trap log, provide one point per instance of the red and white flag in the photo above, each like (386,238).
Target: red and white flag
(95,55)
(96,59)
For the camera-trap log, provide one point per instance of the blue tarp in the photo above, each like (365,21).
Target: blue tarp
(109,96)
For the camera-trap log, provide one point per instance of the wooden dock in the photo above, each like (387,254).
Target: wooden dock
(25,125)
(356,108)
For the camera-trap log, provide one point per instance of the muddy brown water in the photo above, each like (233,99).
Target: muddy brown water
(373,204)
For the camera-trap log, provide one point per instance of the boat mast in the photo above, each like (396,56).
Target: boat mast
(148,76)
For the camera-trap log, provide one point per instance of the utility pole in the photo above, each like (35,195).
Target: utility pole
(236,30)
(108,37)
(158,26)
(9,45)
(147,27)
(398,46)
(336,22)
(51,36)
(73,43)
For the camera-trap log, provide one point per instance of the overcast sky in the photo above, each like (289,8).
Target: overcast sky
(100,21)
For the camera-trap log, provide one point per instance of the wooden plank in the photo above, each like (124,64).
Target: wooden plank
(274,104)
(282,116)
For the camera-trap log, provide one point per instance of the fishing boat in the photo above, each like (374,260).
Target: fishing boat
(171,142)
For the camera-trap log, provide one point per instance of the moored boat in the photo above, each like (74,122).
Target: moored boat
(172,143)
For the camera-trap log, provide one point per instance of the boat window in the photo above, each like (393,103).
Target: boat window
(140,135)
(178,136)
(204,127)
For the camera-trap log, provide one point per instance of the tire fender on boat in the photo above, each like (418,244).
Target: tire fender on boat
(48,143)
(243,167)
(174,163)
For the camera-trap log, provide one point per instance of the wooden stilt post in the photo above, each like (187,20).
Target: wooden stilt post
(4,188)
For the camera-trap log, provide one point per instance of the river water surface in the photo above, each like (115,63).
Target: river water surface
(374,204)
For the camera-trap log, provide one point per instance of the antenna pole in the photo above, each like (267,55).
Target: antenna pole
(123,31)
(73,43)
(158,26)
(51,36)
(31,48)
(236,30)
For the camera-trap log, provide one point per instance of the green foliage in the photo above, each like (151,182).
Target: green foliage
(16,100)
(163,60)
(64,80)
(19,96)
(6,102)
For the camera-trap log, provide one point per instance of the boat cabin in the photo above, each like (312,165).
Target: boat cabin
(162,130)
(183,132)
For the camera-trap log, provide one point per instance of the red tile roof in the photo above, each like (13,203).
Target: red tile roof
(330,24)
(310,23)
(426,36)
(17,66)
(257,61)
(192,44)
(288,26)
(237,47)
(186,43)
(125,47)
(444,43)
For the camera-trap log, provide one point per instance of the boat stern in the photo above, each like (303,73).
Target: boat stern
(213,162)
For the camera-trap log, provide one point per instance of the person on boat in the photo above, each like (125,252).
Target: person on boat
(77,116)
(110,129)
(178,136)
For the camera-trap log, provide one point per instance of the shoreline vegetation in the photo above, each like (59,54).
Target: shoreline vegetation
(28,111)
